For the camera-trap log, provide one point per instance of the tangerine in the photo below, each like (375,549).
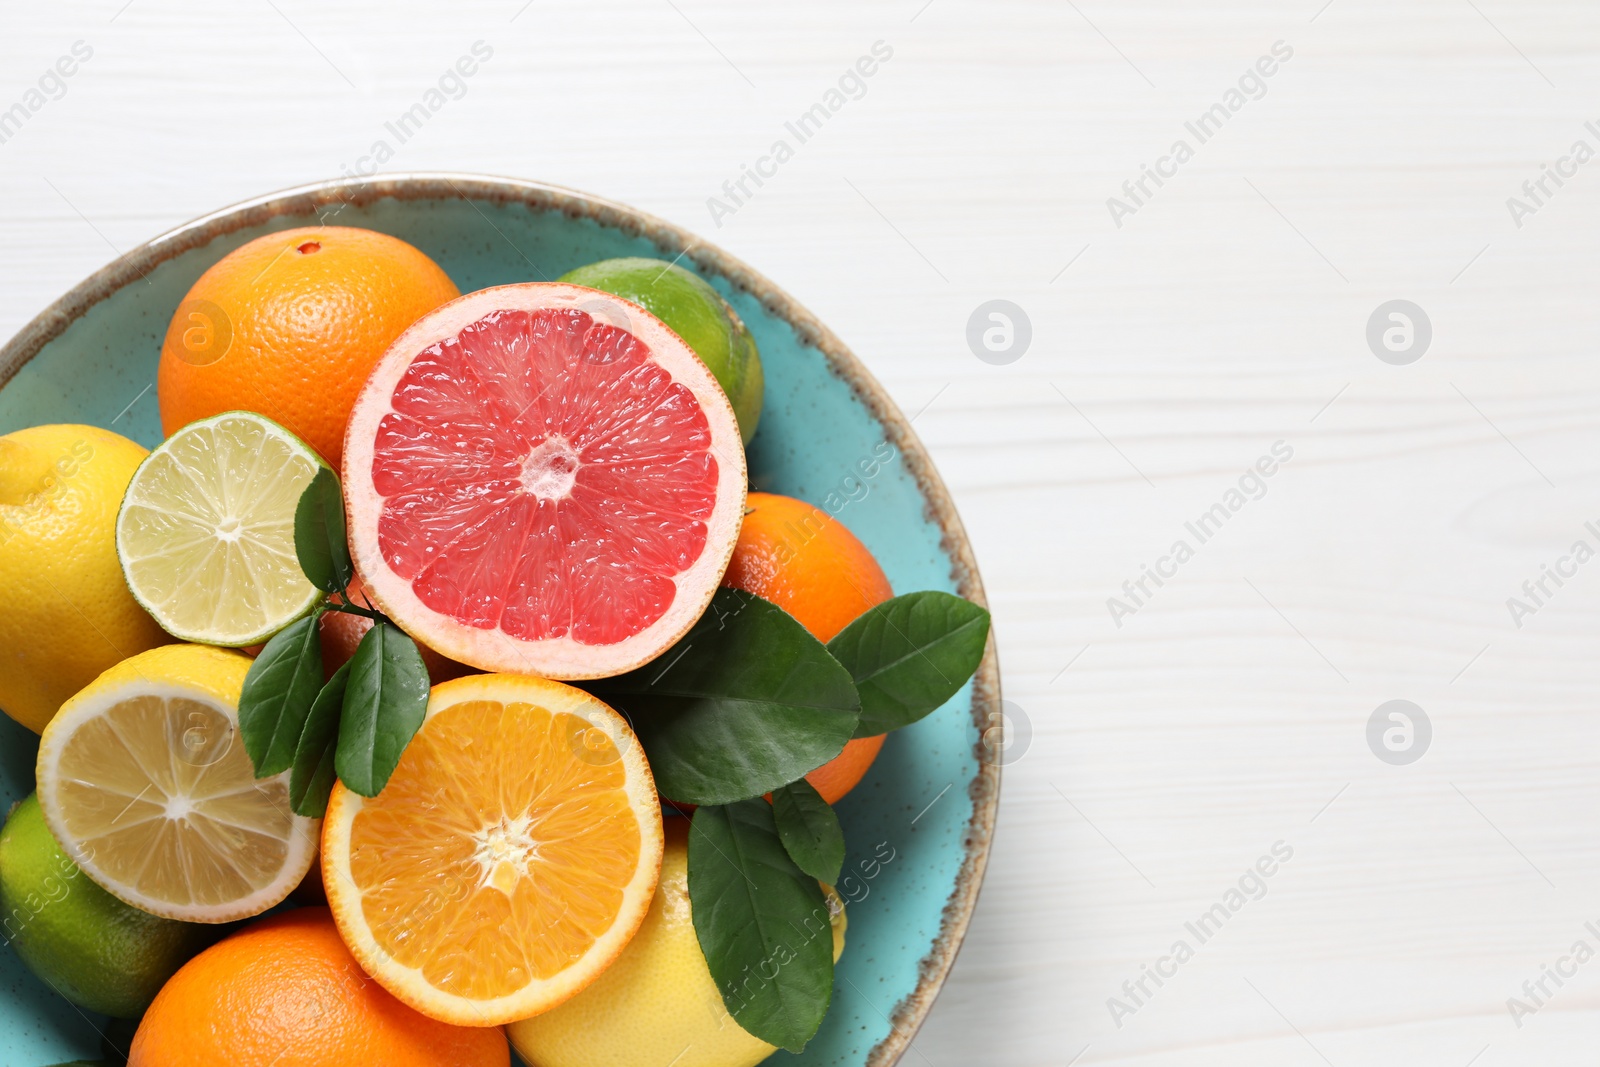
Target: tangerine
(286,991)
(340,634)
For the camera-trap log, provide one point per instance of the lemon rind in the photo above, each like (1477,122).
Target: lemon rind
(303,842)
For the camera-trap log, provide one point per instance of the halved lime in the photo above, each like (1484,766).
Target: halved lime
(206,532)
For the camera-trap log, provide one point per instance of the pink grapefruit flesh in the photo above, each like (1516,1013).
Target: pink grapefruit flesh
(543,479)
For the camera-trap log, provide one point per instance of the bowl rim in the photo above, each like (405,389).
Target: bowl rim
(327,199)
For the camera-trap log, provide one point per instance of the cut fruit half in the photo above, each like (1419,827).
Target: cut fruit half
(510,858)
(144,780)
(206,531)
(543,479)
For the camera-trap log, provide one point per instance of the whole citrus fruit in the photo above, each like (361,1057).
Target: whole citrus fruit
(341,634)
(807,562)
(698,314)
(658,998)
(286,992)
(290,325)
(68,614)
(87,945)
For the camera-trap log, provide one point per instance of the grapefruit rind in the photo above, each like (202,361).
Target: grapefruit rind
(408,984)
(492,649)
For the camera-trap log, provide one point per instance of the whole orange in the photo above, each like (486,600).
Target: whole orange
(290,326)
(286,992)
(810,565)
(341,633)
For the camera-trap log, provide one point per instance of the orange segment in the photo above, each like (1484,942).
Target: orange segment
(510,858)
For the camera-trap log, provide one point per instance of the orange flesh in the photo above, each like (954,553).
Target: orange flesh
(487,871)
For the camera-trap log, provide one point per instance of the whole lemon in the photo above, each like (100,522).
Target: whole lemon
(90,947)
(68,613)
(658,998)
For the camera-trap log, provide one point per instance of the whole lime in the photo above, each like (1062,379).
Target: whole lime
(87,945)
(695,312)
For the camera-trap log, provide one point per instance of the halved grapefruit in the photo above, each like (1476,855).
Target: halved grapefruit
(543,479)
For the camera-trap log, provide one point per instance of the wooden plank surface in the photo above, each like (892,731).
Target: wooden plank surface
(1227,313)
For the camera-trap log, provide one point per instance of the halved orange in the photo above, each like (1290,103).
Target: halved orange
(511,857)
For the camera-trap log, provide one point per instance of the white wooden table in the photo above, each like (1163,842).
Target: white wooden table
(1228,312)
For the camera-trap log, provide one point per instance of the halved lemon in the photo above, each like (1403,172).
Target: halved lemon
(206,531)
(146,784)
(509,860)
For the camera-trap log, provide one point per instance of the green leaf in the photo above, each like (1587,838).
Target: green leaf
(319,537)
(762,924)
(909,655)
(746,702)
(384,704)
(809,830)
(311,778)
(278,691)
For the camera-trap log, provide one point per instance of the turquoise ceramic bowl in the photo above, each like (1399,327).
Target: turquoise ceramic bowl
(918,827)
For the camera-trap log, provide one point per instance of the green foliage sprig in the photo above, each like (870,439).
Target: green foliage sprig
(354,725)
(745,706)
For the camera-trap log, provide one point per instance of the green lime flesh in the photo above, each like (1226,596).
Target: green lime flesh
(199,586)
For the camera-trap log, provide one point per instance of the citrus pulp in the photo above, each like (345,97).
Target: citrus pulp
(543,479)
(509,859)
(145,782)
